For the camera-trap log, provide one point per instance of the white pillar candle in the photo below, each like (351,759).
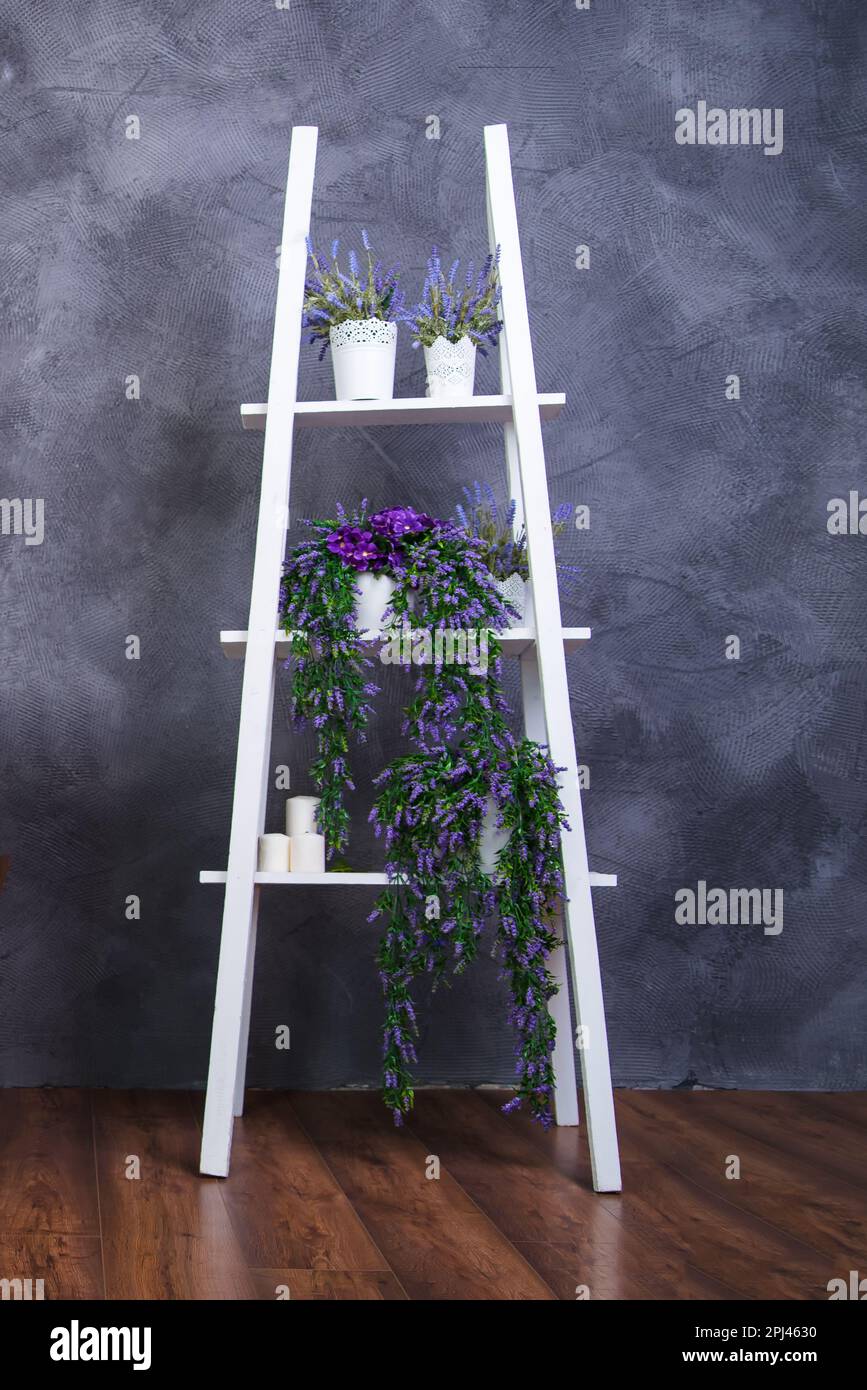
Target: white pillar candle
(301,815)
(274,854)
(307,854)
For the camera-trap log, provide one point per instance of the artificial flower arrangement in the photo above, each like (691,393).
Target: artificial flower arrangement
(432,807)
(355,311)
(505,553)
(453,318)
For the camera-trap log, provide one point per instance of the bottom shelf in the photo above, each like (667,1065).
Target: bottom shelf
(351,879)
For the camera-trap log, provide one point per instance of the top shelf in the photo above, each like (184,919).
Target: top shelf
(406,410)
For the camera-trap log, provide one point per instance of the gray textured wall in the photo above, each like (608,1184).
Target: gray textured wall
(708,517)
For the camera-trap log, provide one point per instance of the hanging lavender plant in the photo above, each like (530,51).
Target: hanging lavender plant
(365,290)
(432,804)
(453,309)
(430,810)
(330,684)
(329,661)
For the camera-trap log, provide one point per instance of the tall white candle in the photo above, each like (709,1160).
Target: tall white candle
(274,854)
(301,815)
(307,854)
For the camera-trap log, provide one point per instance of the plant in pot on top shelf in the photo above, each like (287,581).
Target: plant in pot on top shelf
(505,553)
(355,311)
(453,318)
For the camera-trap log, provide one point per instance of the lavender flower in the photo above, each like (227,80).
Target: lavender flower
(506,553)
(331,296)
(454,311)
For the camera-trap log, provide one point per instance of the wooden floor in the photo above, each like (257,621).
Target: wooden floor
(328,1200)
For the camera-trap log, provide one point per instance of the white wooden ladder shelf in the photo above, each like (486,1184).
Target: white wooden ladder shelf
(520,409)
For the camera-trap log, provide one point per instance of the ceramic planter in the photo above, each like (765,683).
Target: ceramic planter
(376,594)
(519,592)
(492,839)
(451,367)
(362,352)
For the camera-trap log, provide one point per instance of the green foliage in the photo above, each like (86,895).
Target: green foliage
(430,808)
(330,684)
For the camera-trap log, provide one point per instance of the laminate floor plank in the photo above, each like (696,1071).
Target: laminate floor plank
(69,1265)
(850,1107)
(791,1124)
(47,1178)
(559,1225)
(434,1237)
(327,1285)
(286,1207)
(718,1237)
(166,1234)
(667,1208)
(819,1209)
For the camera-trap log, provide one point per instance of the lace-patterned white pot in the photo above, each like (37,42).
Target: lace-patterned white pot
(362,351)
(519,592)
(451,367)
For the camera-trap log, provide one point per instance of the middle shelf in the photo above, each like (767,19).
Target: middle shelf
(348,880)
(514,642)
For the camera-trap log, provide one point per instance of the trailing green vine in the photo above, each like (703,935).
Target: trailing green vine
(330,683)
(432,809)
(435,806)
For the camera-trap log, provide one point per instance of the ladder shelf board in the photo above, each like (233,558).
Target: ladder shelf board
(348,880)
(513,643)
(404,410)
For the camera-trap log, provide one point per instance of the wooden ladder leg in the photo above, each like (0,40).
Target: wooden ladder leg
(566,1079)
(249,968)
(244,1032)
(237,942)
(565,1072)
(580,926)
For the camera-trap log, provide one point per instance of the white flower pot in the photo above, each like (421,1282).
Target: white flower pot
(362,352)
(451,367)
(376,595)
(492,839)
(519,592)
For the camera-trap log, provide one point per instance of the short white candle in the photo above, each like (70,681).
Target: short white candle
(307,854)
(274,854)
(301,815)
